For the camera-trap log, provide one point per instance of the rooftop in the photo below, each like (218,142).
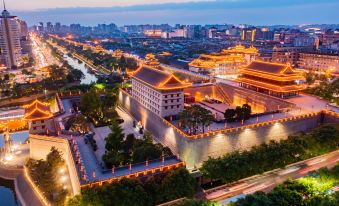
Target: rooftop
(37,110)
(158,79)
(266,69)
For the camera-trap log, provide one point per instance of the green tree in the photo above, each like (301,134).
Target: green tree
(229,114)
(179,183)
(90,104)
(114,144)
(129,143)
(195,116)
(247,111)
(46,175)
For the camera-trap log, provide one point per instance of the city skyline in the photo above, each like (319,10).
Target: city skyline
(259,12)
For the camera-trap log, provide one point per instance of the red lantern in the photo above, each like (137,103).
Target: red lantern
(147,163)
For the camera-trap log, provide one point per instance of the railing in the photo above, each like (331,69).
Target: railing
(143,173)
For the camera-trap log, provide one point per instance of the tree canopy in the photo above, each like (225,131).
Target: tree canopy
(195,117)
(154,190)
(240,164)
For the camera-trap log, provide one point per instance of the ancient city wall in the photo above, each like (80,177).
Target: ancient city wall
(239,96)
(195,151)
(40,146)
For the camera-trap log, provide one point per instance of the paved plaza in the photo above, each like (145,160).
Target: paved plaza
(102,132)
(311,103)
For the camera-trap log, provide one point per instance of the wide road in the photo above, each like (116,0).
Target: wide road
(269,180)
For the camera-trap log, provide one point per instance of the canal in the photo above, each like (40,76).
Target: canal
(81,66)
(8,196)
(7,193)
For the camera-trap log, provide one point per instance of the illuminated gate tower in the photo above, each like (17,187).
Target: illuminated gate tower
(39,118)
(225,62)
(280,80)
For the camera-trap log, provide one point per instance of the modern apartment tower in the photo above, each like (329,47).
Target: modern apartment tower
(10,48)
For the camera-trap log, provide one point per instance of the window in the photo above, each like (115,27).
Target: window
(166,107)
(178,95)
(34,128)
(43,127)
(42,121)
(172,107)
(172,95)
(165,96)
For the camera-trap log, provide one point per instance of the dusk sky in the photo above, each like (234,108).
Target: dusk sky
(121,12)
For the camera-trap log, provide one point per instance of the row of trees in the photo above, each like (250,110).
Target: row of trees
(45,174)
(154,190)
(122,151)
(309,191)
(194,118)
(101,58)
(237,165)
(238,114)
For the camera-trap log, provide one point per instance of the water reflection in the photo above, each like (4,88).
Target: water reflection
(17,137)
(81,66)
(7,193)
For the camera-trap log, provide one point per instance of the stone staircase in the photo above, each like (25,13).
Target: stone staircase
(225,97)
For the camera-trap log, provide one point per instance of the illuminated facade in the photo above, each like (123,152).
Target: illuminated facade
(10,54)
(158,91)
(224,63)
(153,33)
(275,79)
(39,117)
(117,53)
(319,62)
(151,60)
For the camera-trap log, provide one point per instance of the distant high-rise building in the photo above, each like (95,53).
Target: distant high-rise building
(41,27)
(57,27)
(49,26)
(10,40)
(23,28)
(248,34)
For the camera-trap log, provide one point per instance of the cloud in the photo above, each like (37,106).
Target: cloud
(219,11)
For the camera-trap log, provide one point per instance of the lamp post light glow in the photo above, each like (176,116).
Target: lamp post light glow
(63,179)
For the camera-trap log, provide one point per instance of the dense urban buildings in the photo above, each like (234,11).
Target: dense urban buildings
(319,61)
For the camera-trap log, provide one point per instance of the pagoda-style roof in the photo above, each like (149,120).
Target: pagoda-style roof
(232,55)
(240,49)
(37,110)
(271,76)
(272,71)
(158,79)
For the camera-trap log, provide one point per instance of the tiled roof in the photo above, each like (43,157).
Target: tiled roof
(158,79)
(266,67)
(37,110)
